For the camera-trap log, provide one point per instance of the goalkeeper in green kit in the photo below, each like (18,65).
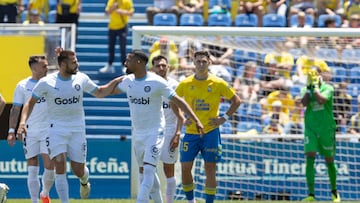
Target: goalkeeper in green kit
(319,130)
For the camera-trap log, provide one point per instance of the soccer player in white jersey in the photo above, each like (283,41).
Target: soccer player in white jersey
(63,92)
(174,120)
(145,91)
(35,143)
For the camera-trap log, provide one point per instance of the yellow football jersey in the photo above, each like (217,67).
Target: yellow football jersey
(204,97)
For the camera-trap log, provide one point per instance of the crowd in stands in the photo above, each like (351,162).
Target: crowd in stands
(270,88)
(40,12)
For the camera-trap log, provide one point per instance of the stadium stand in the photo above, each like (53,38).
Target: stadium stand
(107,116)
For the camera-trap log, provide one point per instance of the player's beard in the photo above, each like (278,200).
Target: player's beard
(71,71)
(128,71)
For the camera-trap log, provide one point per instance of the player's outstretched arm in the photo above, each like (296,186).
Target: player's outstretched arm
(13,119)
(109,88)
(188,111)
(25,114)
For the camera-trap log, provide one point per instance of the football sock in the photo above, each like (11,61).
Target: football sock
(310,174)
(85,179)
(332,174)
(147,183)
(189,191)
(170,189)
(33,183)
(155,192)
(210,194)
(62,187)
(47,181)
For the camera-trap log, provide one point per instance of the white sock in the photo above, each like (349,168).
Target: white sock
(33,183)
(47,181)
(146,184)
(62,187)
(85,178)
(141,178)
(155,192)
(170,189)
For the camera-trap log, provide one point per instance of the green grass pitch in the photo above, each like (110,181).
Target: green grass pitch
(133,201)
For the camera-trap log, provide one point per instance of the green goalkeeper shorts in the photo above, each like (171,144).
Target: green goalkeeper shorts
(320,140)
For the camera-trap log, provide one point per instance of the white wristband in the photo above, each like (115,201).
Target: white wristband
(225,116)
(11,130)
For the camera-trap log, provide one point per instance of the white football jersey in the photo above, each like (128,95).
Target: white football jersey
(64,98)
(170,117)
(23,91)
(145,101)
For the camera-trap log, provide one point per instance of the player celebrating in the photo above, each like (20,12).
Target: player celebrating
(145,91)
(317,97)
(204,92)
(63,92)
(174,120)
(35,143)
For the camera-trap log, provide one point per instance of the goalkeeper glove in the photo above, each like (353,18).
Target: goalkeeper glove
(309,83)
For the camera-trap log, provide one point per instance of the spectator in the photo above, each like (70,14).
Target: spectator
(68,11)
(220,57)
(252,6)
(270,80)
(355,123)
(328,7)
(9,9)
(276,120)
(305,62)
(161,6)
(301,20)
(118,28)
(283,95)
(191,6)
(307,6)
(34,18)
(42,7)
(350,42)
(168,53)
(187,48)
(351,7)
(247,85)
(278,7)
(342,107)
(297,117)
(284,61)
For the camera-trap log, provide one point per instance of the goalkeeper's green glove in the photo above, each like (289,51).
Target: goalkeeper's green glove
(309,83)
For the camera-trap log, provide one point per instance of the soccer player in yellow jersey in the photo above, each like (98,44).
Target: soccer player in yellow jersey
(119,12)
(203,91)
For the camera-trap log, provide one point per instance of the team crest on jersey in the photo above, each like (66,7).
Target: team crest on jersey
(192,88)
(147,88)
(77,87)
(209,89)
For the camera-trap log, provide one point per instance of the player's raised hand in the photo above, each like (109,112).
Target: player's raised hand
(58,50)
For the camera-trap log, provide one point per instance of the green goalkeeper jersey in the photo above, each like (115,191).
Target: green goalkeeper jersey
(319,115)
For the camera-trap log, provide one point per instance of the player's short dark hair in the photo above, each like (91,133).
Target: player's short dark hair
(202,53)
(64,55)
(35,59)
(158,58)
(139,54)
